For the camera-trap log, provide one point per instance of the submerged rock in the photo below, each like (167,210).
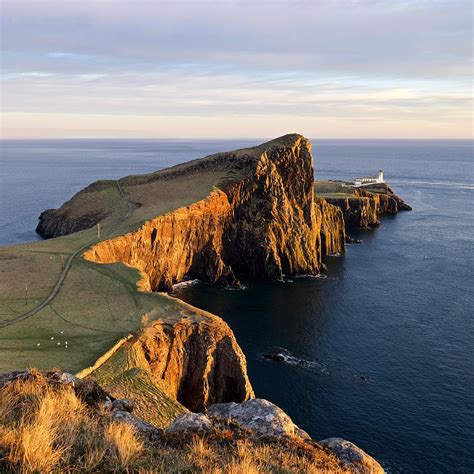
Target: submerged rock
(275,357)
(260,416)
(352,240)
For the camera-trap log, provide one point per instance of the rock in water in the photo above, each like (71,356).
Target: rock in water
(275,357)
(260,416)
(352,457)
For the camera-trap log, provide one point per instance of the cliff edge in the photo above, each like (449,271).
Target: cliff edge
(261,222)
(254,213)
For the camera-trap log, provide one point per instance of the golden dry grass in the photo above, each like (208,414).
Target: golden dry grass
(47,428)
(44,429)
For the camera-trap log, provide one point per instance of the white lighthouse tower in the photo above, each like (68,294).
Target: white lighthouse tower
(368,180)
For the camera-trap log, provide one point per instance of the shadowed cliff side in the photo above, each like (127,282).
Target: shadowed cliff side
(332,235)
(361,208)
(261,224)
(195,361)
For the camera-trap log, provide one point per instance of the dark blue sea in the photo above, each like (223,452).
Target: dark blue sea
(381,348)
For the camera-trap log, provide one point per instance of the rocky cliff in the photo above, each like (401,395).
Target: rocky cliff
(80,212)
(358,211)
(331,235)
(262,223)
(259,220)
(196,361)
(361,208)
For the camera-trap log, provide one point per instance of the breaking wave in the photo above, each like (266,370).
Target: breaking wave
(185,284)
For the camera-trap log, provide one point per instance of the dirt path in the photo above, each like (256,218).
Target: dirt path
(67,266)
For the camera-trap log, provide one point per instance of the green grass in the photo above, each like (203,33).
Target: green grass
(122,377)
(333,190)
(97,304)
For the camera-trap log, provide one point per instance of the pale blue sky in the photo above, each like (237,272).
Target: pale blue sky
(173,69)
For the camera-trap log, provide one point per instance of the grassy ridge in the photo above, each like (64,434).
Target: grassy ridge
(97,304)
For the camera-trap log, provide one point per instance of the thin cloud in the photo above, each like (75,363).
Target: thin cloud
(371,59)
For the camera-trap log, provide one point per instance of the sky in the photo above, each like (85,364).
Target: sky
(236,69)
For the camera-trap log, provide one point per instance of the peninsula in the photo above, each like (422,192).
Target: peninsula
(93,297)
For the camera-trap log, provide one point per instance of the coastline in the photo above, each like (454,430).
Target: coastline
(326,241)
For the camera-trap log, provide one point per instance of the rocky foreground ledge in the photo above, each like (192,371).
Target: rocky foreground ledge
(58,422)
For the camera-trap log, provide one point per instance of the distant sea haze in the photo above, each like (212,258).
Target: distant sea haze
(385,337)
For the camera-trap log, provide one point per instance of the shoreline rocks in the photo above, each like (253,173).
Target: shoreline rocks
(351,456)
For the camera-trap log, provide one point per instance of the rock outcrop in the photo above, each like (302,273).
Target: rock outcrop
(262,224)
(79,213)
(363,208)
(260,416)
(201,362)
(332,235)
(190,422)
(358,212)
(84,428)
(198,362)
(351,456)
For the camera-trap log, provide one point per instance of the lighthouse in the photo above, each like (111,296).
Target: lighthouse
(368,180)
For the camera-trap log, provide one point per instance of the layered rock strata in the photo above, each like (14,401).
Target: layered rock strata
(363,209)
(331,228)
(261,225)
(198,362)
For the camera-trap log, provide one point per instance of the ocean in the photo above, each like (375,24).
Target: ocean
(380,349)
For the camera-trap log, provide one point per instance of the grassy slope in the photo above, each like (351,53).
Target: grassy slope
(333,189)
(97,304)
(336,189)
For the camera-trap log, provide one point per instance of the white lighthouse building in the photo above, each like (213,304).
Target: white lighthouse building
(366,180)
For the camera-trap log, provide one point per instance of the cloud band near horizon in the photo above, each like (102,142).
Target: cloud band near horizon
(112,68)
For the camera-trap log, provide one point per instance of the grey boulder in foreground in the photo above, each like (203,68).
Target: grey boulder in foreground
(351,456)
(260,416)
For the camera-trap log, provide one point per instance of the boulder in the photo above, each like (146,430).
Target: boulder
(141,426)
(197,422)
(68,379)
(259,415)
(10,377)
(352,457)
(123,404)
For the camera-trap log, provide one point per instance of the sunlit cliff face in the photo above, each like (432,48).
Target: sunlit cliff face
(261,226)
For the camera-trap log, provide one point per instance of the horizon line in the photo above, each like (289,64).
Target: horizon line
(231,138)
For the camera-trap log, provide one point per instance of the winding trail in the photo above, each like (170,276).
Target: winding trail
(67,267)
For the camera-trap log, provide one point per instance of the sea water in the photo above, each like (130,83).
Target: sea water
(380,350)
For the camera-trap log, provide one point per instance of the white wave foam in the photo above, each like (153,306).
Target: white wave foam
(185,283)
(290,359)
(322,276)
(446,184)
